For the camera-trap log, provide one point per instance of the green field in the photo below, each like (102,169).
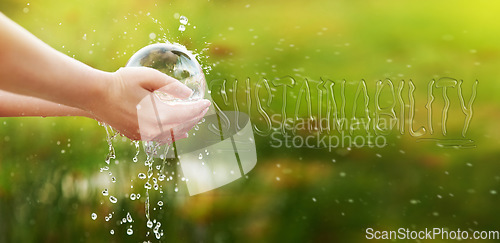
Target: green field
(50,182)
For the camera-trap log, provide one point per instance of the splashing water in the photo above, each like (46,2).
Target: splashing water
(184,21)
(153,175)
(176,61)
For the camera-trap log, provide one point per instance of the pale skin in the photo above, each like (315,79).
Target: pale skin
(37,80)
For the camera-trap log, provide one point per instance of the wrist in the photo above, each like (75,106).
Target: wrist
(98,91)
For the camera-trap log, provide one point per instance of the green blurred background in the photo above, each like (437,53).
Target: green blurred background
(50,182)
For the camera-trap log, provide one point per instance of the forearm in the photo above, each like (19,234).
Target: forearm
(19,105)
(30,67)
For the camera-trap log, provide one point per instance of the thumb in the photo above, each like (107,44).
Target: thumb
(156,80)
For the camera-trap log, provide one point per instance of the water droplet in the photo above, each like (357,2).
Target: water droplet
(149,224)
(112,232)
(132,196)
(134,159)
(157,227)
(142,176)
(183,19)
(147,185)
(152,36)
(129,218)
(105,192)
(314,199)
(160,203)
(176,189)
(94,216)
(200,156)
(113,179)
(113,199)
(130,231)
(182,28)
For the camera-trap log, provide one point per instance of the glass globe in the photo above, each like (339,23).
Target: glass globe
(175,61)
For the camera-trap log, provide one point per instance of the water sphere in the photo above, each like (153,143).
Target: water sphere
(175,61)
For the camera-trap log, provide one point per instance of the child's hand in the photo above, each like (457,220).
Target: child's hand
(128,104)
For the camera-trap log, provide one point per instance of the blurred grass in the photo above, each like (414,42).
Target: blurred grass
(48,195)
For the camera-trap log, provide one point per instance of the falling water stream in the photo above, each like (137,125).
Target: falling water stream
(155,174)
(175,61)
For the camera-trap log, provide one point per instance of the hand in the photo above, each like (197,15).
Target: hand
(129,105)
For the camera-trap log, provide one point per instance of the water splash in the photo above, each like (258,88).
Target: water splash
(183,20)
(155,171)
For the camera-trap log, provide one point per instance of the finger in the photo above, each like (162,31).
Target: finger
(181,112)
(188,125)
(167,138)
(156,80)
(177,90)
